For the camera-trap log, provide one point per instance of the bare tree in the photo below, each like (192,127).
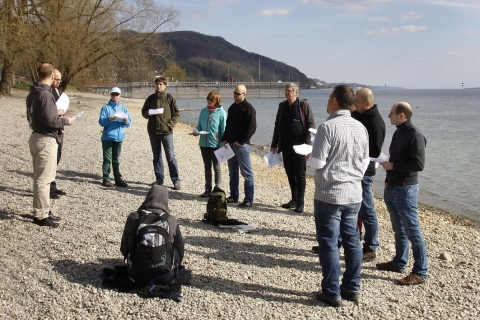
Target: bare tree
(84,36)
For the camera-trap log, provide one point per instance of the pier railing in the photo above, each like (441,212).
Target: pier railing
(195,90)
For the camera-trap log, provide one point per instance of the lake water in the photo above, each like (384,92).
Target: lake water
(448,119)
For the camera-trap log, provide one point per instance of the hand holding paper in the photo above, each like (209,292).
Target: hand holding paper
(120,116)
(303,149)
(272,159)
(224,153)
(63,102)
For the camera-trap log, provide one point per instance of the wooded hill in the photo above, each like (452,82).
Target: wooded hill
(212,58)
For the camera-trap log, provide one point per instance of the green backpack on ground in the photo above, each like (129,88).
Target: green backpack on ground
(216,207)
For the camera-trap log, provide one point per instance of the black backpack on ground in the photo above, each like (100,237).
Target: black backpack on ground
(152,254)
(216,207)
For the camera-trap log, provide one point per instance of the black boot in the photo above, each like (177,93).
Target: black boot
(206,194)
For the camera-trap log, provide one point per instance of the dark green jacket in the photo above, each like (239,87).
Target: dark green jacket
(161,124)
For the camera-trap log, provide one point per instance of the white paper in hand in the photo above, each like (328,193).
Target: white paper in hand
(272,159)
(224,153)
(63,102)
(381,158)
(80,114)
(200,132)
(313,133)
(155,111)
(120,116)
(303,149)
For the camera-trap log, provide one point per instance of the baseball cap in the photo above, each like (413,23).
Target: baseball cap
(115,90)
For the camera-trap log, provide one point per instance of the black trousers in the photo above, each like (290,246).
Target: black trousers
(295,167)
(53,185)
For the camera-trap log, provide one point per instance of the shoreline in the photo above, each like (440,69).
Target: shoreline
(54,273)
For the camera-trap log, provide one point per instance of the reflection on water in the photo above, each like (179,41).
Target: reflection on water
(448,121)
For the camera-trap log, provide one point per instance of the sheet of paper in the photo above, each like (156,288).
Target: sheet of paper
(303,149)
(155,111)
(63,102)
(80,114)
(224,153)
(381,158)
(200,132)
(120,116)
(272,159)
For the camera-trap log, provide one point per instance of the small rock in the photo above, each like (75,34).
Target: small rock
(445,256)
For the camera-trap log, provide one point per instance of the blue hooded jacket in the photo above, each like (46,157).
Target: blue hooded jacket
(113,130)
(214,122)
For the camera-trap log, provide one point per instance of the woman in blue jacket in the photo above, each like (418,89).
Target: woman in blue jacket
(114,117)
(212,119)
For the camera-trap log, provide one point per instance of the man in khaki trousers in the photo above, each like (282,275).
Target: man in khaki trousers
(43,117)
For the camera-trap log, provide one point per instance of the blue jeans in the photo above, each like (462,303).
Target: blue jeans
(241,161)
(167,141)
(368,214)
(402,204)
(331,221)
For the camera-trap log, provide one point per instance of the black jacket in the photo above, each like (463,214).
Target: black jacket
(241,123)
(407,153)
(307,122)
(372,120)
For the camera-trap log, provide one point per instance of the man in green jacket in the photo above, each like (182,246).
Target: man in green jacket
(162,113)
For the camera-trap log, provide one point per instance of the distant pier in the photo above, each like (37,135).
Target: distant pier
(198,90)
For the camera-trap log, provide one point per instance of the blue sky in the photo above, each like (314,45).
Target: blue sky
(412,44)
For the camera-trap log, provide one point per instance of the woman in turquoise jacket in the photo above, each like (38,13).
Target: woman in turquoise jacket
(212,119)
(112,136)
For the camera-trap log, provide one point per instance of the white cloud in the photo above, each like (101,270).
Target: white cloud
(465,4)
(405,29)
(349,5)
(378,19)
(275,12)
(411,15)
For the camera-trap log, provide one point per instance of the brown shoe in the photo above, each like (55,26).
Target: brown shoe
(410,280)
(389,266)
(107,184)
(369,255)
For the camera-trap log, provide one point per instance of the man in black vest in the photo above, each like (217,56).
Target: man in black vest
(294,118)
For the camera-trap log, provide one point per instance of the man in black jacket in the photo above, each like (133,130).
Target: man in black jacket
(407,158)
(241,125)
(57,79)
(43,117)
(367,113)
(294,118)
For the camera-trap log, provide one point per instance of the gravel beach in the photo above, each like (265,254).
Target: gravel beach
(269,273)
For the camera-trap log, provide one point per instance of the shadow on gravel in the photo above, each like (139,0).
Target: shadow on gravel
(252,290)
(18,192)
(7,215)
(84,273)
(198,224)
(263,256)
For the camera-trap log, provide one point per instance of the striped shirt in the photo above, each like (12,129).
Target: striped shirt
(341,143)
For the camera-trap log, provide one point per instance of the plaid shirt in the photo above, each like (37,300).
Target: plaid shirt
(341,142)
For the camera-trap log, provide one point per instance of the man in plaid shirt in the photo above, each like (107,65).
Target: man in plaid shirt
(340,157)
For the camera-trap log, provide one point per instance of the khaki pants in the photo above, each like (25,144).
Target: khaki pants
(44,158)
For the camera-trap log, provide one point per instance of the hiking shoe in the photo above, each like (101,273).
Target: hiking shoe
(54,196)
(47,222)
(121,183)
(316,249)
(289,205)
(232,200)
(298,208)
(58,192)
(389,266)
(353,296)
(206,194)
(411,280)
(52,217)
(245,204)
(332,302)
(157,182)
(107,184)
(177,186)
(369,255)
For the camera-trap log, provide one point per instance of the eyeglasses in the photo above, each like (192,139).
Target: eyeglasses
(59,80)
(237,93)
(115,94)
(210,99)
